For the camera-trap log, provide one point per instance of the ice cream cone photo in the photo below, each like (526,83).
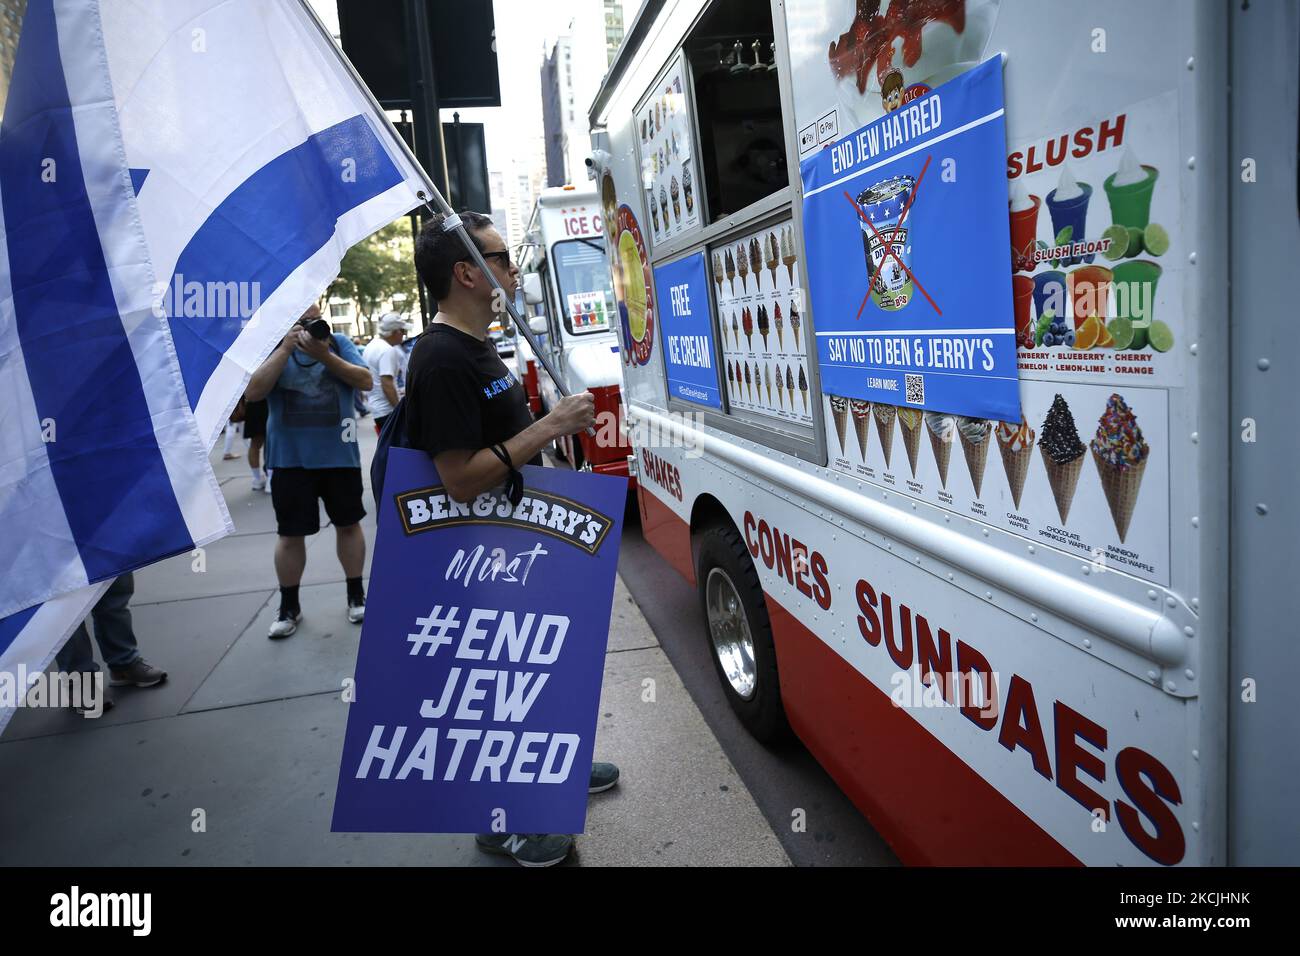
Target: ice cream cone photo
(909,419)
(1121,454)
(1062,454)
(773,256)
(840,412)
(780,328)
(974,435)
(886,416)
(941,429)
(861,422)
(742,267)
(803,389)
(1016,445)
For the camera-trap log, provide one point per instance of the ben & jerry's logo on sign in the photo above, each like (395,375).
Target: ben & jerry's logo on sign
(426,508)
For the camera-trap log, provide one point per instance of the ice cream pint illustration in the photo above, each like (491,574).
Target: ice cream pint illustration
(674,191)
(861,420)
(910,420)
(885,242)
(941,428)
(1121,454)
(1016,443)
(886,416)
(974,434)
(663,204)
(688,193)
(1062,453)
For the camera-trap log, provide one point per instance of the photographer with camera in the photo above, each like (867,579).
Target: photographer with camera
(309,383)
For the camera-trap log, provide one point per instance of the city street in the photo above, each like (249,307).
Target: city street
(249,731)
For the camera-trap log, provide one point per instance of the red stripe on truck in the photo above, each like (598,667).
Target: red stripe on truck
(930,806)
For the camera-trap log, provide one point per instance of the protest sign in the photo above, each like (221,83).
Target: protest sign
(907,234)
(478,676)
(683,288)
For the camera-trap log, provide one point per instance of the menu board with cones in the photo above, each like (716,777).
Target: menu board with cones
(761,324)
(1081,452)
(668,173)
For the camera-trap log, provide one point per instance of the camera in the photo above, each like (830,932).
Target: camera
(318,329)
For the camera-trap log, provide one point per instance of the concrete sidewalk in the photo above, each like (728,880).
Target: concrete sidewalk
(246,734)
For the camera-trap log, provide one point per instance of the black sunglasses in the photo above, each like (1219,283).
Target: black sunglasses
(502,254)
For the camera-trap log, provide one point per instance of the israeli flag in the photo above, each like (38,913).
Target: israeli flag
(179,181)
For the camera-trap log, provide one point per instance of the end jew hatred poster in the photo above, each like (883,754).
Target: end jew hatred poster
(906,228)
(479,672)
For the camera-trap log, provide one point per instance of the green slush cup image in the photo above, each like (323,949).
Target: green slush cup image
(1133,286)
(883,205)
(1129,191)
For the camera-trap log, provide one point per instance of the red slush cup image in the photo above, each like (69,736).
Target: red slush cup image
(882,206)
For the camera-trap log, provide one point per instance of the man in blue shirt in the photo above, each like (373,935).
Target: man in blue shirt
(311,446)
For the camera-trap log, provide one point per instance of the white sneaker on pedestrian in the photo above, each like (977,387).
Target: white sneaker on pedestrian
(284,624)
(356,612)
(259,484)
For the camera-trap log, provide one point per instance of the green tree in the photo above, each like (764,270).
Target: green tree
(377,269)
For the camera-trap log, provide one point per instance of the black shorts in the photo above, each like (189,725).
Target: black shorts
(294,493)
(255,419)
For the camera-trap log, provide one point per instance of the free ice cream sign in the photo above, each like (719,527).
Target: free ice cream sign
(683,287)
(906,229)
(478,676)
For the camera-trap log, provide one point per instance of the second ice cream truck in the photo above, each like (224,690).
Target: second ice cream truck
(954,370)
(562,259)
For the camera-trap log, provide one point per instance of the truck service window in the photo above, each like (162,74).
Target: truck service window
(738,104)
(586,299)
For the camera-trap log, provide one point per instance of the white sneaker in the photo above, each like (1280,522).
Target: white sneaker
(267,489)
(284,625)
(356,613)
(259,484)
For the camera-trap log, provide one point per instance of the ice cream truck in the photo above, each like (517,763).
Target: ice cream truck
(1040,245)
(565,280)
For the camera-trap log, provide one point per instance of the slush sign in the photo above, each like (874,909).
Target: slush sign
(479,672)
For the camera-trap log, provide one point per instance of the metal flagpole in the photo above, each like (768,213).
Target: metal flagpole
(430,195)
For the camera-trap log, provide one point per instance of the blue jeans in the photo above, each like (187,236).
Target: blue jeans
(112,632)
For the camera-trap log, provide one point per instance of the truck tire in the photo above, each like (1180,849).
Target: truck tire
(740,633)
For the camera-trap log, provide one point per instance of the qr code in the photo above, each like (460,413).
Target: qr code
(914,386)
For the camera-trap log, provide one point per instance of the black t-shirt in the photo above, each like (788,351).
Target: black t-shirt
(460,395)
